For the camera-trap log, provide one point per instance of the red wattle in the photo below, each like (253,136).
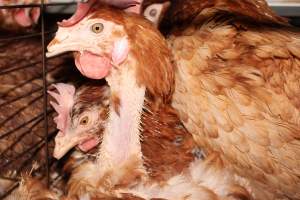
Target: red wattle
(92,66)
(88,144)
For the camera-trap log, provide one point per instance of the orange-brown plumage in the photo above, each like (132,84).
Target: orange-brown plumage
(32,189)
(182,12)
(126,107)
(236,88)
(168,151)
(240,77)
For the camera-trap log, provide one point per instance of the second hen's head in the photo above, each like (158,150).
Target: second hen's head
(81,117)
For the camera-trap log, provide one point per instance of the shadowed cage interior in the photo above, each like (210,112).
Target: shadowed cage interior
(26,119)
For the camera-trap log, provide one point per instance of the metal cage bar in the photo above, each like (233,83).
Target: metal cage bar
(42,7)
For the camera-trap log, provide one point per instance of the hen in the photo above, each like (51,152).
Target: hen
(127,94)
(164,140)
(13,19)
(236,87)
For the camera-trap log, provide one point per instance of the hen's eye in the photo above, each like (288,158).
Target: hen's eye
(84,120)
(153,12)
(97,28)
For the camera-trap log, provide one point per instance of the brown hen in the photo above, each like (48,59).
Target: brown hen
(236,84)
(240,68)
(170,155)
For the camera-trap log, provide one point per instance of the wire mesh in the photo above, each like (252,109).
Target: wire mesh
(26,126)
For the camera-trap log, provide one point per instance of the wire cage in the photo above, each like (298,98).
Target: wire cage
(26,126)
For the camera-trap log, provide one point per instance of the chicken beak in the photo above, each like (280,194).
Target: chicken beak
(63,42)
(63,143)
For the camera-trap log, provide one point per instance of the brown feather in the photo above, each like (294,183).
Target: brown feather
(168,150)
(183,12)
(244,99)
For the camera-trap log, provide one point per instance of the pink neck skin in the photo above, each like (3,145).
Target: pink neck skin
(121,140)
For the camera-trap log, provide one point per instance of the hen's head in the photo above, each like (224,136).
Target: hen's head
(110,39)
(81,117)
(99,40)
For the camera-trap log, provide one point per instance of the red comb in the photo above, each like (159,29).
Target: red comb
(65,101)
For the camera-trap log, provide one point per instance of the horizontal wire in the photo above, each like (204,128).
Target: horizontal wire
(20,137)
(27,94)
(9,70)
(9,178)
(20,110)
(10,101)
(10,190)
(19,37)
(51,135)
(12,69)
(39,76)
(13,63)
(38,5)
(20,126)
(35,146)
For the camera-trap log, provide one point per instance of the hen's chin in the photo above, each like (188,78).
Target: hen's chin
(88,144)
(91,65)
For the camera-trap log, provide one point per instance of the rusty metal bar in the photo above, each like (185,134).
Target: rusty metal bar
(36,5)
(37,120)
(42,7)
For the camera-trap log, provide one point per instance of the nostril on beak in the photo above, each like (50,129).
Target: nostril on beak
(53,42)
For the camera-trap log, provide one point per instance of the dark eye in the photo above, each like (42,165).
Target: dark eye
(97,28)
(153,12)
(84,120)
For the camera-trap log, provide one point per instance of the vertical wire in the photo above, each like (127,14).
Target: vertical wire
(42,7)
